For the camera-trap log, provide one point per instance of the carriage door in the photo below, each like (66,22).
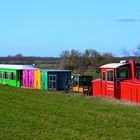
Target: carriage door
(110,83)
(52,82)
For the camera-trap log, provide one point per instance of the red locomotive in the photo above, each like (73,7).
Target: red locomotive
(119,80)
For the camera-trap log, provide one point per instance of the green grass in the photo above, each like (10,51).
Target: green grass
(33,115)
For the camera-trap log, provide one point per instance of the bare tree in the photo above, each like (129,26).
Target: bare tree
(88,61)
(75,59)
(65,59)
(18,55)
(108,58)
(125,52)
(137,51)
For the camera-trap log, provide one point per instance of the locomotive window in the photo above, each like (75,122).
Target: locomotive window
(103,76)
(138,72)
(110,75)
(122,73)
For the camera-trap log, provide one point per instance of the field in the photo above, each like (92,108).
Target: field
(33,115)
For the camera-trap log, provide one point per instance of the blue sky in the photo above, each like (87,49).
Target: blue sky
(47,27)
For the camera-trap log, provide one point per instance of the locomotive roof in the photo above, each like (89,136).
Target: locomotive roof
(17,67)
(113,65)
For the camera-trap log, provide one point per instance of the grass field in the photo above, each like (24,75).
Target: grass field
(33,115)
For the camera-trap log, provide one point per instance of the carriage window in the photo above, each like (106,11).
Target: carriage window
(75,80)
(5,75)
(0,74)
(13,76)
(52,81)
(110,75)
(138,72)
(103,76)
(122,73)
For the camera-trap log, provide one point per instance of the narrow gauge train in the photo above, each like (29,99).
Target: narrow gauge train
(119,80)
(27,76)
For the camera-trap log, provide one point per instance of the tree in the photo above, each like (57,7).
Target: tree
(85,59)
(70,59)
(125,52)
(75,59)
(137,51)
(18,55)
(65,60)
(94,60)
(108,58)
(88,61)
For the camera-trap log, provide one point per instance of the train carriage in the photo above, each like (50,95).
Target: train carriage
(12,74)
(55,79)
(81,83)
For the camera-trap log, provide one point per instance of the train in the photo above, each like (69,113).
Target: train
(117,80)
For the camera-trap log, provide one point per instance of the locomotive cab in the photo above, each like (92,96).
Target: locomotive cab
(111,76)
